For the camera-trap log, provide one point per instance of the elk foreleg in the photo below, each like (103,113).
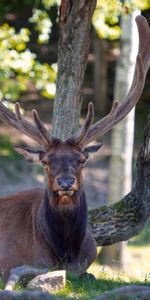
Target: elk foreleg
(86,257)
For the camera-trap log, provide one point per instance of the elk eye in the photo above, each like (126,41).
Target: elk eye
(44,163)
(82,162)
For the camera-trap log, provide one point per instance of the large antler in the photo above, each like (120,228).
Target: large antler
(119,112)
(37,132)
(82,137)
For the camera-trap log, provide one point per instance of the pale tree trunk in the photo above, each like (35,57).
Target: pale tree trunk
(120,176)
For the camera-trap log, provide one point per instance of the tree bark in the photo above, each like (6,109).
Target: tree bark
(74,42)
(127,217)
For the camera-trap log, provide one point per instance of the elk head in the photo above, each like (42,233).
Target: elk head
(64,161)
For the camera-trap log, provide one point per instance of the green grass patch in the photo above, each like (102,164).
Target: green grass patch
(85,289)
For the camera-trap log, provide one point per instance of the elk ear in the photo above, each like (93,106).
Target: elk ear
(32,155)
(91,149)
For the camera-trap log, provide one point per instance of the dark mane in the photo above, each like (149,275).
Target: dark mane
(64,229)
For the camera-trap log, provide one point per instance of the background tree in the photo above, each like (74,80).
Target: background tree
(122,139)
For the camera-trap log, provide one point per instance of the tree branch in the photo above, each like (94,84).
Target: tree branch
(74,42)
(126,218)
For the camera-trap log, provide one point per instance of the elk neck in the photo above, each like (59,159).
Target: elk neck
(63,226)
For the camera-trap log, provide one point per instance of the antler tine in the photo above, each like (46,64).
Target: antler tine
(144,41)
(42,129)
(141,68)
(103,124)
(87,123)
(18,112)
(17,121)
(28,127)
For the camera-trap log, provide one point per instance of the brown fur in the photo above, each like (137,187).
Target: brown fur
(25,233)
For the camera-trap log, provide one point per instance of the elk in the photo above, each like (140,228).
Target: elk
(48,227)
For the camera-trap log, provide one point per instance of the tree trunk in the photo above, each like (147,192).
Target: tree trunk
(100,72)
(74,42)
(120,176)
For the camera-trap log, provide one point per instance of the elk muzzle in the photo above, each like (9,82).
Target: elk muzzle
(65,185)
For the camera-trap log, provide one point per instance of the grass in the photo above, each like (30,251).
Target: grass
(87,289)
(137,272)
(84,289)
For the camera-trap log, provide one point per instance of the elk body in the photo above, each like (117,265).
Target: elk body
(49,227)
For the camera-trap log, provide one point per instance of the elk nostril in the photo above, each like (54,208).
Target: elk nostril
(72,181)
(59,181)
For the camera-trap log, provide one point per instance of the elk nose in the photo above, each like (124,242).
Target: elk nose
(65,183)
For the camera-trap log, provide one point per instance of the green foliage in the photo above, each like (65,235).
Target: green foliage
(7,150)
(43,25)
(108,12)
(141,4)
(42,21)
(19,66)
(48,3)
(106,18)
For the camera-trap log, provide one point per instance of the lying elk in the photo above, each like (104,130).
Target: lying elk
(49,227)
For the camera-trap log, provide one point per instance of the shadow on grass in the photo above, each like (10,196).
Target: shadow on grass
(85,289)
